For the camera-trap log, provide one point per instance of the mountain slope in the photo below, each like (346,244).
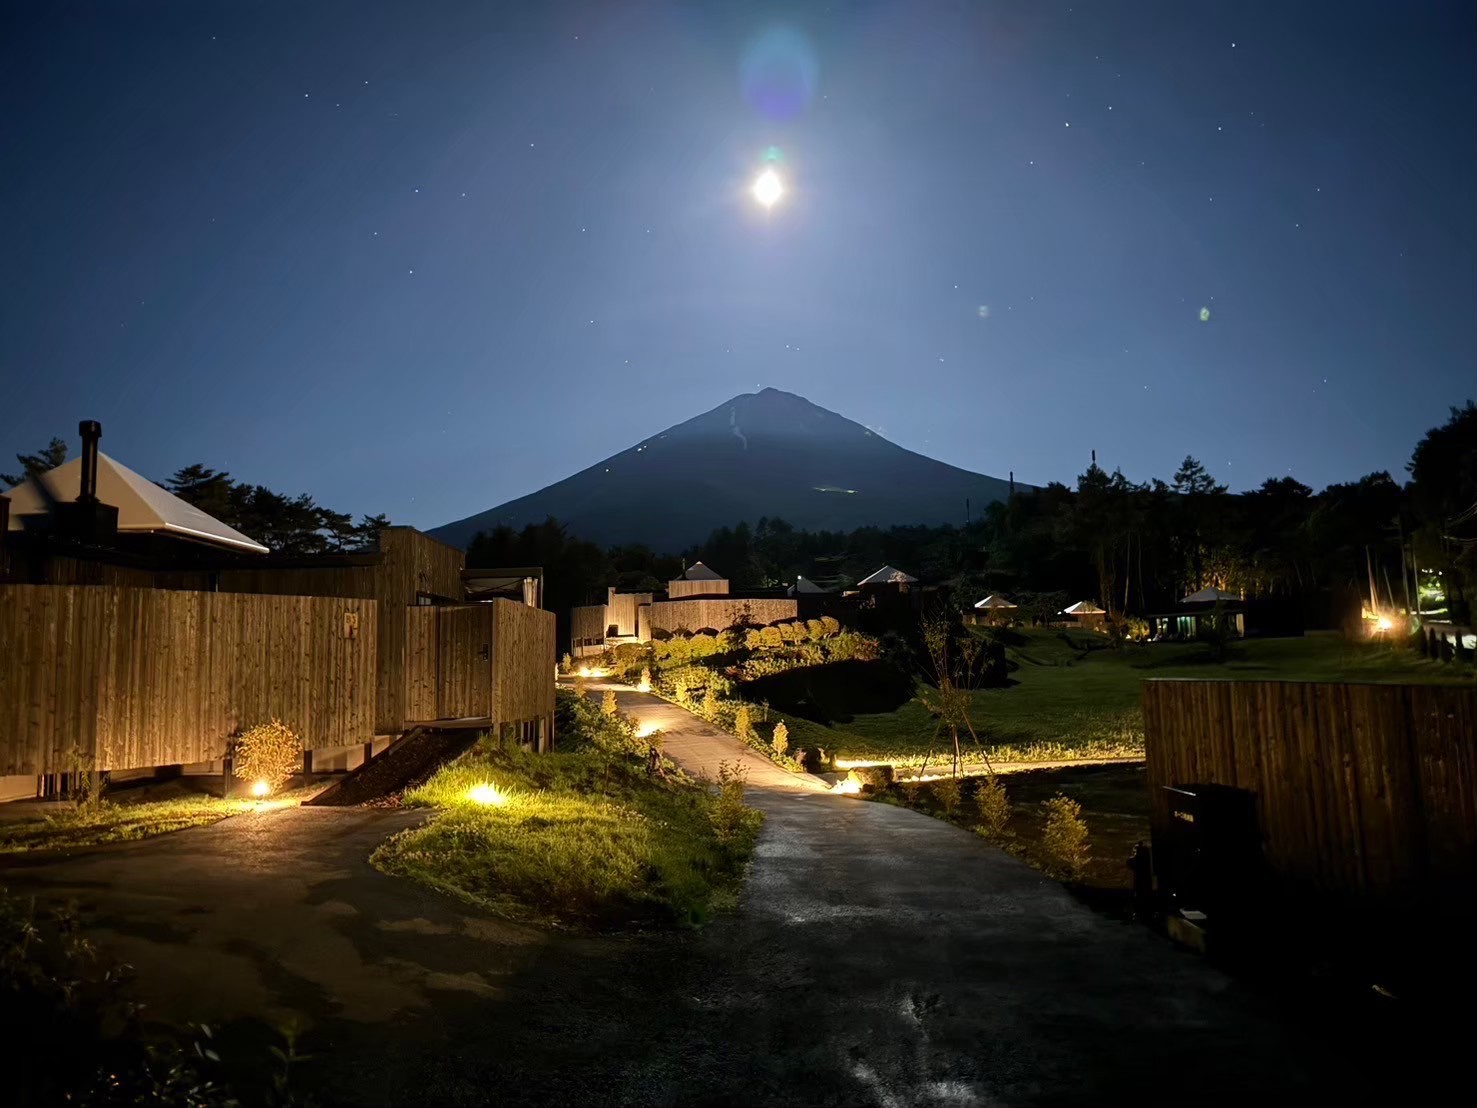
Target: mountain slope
(769,453)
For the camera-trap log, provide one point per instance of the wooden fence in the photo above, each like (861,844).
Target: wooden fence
(1366,792)
(668,616)
(492,661)
(104,677)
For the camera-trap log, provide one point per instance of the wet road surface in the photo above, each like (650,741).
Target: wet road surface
(877,957)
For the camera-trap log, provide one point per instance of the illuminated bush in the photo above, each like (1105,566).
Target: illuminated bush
(753,639)
(743,725)
(1064,838)
(790,632)
(566,664)
(993,807)
(732,820)
(830,624)
(608,704)
(780,739)
(815,629)
(270,752)
(772,638)
(711,705)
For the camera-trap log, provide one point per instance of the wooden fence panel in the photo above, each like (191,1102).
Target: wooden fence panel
(142,677)
(668,616)
(1364,791)
(523,663)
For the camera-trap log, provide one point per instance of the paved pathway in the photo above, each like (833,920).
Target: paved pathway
(877,957)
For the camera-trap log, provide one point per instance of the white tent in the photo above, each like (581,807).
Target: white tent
(1211,596)
(996,602)
(143,507)
(1083,608)
(699,572)
(805,586)
(889,575)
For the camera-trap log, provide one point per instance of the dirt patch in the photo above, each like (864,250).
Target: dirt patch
(407,762)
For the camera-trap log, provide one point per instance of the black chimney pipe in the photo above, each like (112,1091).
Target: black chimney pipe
(90,430)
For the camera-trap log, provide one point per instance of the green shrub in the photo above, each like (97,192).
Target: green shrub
(790,632)
(753,638)
(779,740)
(566,664)
(608,704)
(268,753)
(830,624)
(1064,838)
(993,807)
(772,638)
(733,821)
(815,629)
(703,646)
(711,706)
(853,646)
(946,794)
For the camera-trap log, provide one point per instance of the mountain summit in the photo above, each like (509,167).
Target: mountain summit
(767,453)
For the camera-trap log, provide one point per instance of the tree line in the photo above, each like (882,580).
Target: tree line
(1134,547)
(285,524)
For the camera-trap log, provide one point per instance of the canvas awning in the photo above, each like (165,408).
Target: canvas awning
(889,575)
(1212,596)
(995,602)
(143,507)
(1084,608)
(805,586)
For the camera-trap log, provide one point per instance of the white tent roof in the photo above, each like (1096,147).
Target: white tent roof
(995,600)
(804,584)
(1210,596)
(143,507)
(699,572)
(1084,608)
(888,575)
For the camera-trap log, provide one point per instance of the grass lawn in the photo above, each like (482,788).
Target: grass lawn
(583,838)
(136,812)
(1073,696)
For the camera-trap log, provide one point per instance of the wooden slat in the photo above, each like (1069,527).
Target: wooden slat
(1364,791)
(142,677)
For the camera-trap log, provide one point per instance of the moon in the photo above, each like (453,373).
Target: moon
(768,188)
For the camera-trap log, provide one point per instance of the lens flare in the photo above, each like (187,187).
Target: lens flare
(260,789)
(779,73)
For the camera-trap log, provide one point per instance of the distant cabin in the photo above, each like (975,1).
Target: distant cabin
(1199,613)
(994,610)
(697,580)
(1084,614)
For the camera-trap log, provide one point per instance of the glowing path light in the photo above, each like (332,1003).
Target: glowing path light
(768,188)
(486,793)
(260,789)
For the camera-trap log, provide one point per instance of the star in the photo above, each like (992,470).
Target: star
(983,311)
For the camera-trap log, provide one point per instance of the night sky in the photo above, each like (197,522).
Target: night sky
(421,258)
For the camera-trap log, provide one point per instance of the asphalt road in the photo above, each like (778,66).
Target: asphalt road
(878,957)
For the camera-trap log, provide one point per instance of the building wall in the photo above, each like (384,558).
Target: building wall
(492,660)
(622,610)
(101,677)
(411,566)
(669,616)
(587,626)
(681,587)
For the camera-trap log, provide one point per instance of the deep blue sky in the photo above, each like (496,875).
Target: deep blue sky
(424,257)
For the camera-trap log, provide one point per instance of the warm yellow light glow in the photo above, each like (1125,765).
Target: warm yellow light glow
(1383,623)
(849,786)
(644,686)
(486,793)
(644,728)
(584,671)
(260,789)
(768,188)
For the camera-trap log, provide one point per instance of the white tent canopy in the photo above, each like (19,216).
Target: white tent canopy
(1210,595)
(889,575)
(1084,608)
(996,602)
(143,507)
(699,572)
(805,585)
